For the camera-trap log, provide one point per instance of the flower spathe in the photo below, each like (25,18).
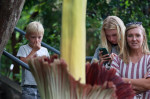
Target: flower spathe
(73,37)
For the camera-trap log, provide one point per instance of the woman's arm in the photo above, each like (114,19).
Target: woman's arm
(139,85)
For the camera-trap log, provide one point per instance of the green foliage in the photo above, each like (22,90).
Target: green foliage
(5,69)
(127,10)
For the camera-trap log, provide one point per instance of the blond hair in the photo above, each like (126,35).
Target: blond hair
(113,22)
(34,28)
(125,54)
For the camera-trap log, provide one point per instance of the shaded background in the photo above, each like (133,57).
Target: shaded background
(49,13)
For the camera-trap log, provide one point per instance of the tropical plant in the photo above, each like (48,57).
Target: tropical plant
(55,82)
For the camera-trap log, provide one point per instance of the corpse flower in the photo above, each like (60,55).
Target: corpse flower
(55,82)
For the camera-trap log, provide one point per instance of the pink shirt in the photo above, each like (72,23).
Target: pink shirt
(133,70)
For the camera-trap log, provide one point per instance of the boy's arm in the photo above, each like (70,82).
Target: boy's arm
(25,59)
(36,46)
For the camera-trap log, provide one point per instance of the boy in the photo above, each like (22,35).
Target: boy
(34,34)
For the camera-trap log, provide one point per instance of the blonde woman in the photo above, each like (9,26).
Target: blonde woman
(112,36)
(133,64)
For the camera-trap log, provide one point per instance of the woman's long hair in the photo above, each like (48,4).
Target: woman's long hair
(113,22)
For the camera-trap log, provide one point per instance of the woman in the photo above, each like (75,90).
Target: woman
(112,36)
(133,64)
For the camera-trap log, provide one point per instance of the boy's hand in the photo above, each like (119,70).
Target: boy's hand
(36,46)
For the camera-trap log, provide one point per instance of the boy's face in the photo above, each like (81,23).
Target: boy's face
(34,39)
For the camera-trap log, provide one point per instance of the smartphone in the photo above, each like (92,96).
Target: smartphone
(104,51)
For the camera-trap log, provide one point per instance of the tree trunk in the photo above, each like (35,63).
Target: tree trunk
(10,11)
(14,52)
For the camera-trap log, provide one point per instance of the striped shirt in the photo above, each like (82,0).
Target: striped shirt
(133,71)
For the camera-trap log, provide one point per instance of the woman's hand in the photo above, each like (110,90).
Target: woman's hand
(104,58)
(137,89)
(113,55)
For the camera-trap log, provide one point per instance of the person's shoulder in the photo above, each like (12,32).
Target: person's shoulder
(43,48)
(97,50)
(22,51)
(98,47)
(147,55)
(24,46)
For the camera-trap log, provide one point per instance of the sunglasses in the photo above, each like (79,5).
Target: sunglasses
(133,23)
